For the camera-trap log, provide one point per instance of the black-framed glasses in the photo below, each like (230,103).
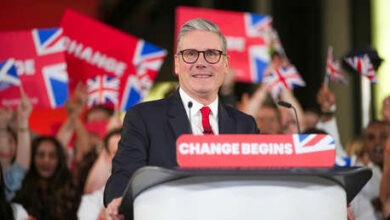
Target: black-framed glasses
(212,56)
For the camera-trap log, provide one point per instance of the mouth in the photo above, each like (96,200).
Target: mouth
(202,75)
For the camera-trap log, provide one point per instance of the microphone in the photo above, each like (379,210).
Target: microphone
(189,105)
(288,105)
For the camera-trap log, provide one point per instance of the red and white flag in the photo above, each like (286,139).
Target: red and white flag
(96,51)
(283,78)
(362,64)
(333,70)
(40,66)
(248,38)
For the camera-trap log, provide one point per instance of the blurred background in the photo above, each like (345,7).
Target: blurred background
(306,29)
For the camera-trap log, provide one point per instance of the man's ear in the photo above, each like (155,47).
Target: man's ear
(176,65)
(227,63)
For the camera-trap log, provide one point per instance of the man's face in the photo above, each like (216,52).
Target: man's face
(375,137)
(201,80)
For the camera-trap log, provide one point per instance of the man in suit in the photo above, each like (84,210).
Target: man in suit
(150,129)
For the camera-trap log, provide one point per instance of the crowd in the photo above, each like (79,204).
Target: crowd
(63,176)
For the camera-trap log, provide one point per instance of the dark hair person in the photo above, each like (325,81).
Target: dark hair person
(48,191)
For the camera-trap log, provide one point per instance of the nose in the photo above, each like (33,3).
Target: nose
(202,57)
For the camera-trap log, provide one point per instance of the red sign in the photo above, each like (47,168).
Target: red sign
(94,49)
(247,38)
(305,150)
(40,64)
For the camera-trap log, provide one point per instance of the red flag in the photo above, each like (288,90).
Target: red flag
(96,49)
(333,70)
(40,64)
(247,38)
(362,64)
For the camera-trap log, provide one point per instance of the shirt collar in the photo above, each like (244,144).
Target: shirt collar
(196,106)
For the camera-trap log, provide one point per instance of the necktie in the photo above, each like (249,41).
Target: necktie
(205,120)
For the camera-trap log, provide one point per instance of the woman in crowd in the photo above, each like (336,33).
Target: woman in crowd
(48,191)
(15,146)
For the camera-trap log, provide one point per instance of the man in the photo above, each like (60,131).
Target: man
(366,204)
(268,119)
(150,129)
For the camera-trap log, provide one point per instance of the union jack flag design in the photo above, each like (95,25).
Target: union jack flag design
(307,143)
(147,60)
(40,65)
(333,70)
(281,79)
(258,26)
(363,65)
(249,37)
(56,82)
(8,75)
(103,89)
(48,41)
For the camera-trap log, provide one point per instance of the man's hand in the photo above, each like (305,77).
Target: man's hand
(112,210)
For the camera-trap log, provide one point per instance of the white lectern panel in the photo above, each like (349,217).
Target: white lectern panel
(245,198)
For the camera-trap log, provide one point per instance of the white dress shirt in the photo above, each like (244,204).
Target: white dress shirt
(195,116)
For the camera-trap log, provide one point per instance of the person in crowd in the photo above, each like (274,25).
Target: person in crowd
(15,148)
(385,182)
(48,191)
(150,129)
(8,210)
(311,117)
(327,122)
(386,109)
(366,205)
(91,206)
(355,151)
(87,134)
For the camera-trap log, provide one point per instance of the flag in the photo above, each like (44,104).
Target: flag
(40,65)
(247,37)
(333,70)
(257,25)
(362,65)
(130,60)
(306,143)
(281,79)
(147,59)
(103,89)
(8,75)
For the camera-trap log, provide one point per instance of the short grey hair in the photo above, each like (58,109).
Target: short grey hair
(200,24)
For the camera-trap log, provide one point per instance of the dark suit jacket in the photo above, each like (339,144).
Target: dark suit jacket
(150,130)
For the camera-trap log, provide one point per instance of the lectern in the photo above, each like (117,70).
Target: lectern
(242,193)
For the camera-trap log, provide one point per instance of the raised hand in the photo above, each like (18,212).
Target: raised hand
(24,111)
(325,98)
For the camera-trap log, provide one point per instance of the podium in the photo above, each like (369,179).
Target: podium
(242,193)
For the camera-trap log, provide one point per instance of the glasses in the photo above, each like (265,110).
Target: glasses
(212,56)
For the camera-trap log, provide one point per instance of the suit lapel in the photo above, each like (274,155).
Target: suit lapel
(177,116)
(226,123)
